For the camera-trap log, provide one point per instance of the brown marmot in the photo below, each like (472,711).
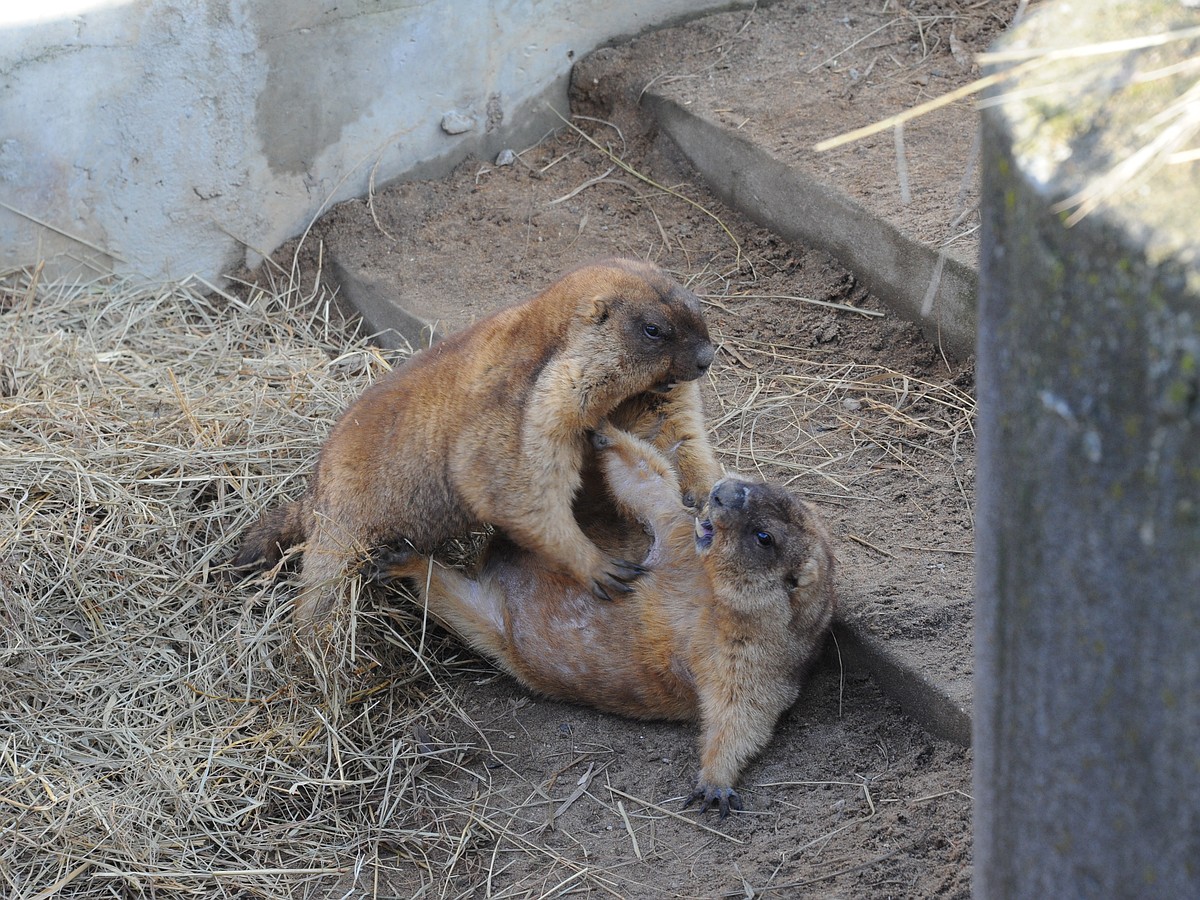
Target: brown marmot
(491,426)
(733,609)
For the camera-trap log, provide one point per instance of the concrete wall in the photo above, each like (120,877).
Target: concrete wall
(160,138)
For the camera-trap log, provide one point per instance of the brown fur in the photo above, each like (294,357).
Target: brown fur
(490,426)
(720,630)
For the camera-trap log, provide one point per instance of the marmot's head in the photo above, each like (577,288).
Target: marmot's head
(767,546)
(646,330)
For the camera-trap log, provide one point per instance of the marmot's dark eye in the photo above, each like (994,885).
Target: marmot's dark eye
(764,538)
(652,331)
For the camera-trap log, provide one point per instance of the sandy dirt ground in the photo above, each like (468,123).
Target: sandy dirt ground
(816,385)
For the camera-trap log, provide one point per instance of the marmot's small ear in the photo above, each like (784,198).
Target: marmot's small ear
(598,309)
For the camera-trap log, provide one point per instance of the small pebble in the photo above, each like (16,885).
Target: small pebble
(506,158)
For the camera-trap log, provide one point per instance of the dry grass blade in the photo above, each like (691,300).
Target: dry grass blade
(852,45)
(112,254)
(828,304)
(793,416)
(1173,129)
(674,815)
(928,106)
(1123,45)
(637,851)
(583,187)
(1184,119)
(654,184)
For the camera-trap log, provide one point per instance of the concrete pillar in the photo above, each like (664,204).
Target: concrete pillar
(1087,707)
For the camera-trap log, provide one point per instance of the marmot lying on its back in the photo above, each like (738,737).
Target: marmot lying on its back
(491,426)
(721,629)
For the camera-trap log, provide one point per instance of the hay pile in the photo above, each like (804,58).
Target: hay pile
(156,736)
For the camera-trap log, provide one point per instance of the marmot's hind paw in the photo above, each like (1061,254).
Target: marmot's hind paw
(725,799)
(390,564)
(602,437)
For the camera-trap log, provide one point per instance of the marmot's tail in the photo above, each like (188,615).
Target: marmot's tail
(266,540)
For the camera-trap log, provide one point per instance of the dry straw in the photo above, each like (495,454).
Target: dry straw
(156,737)
(1167,136)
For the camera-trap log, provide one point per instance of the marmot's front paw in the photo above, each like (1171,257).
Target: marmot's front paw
(617,578)
(725,798)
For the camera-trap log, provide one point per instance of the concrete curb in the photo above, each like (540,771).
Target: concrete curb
(898,270)
(798,207)
(919,283)
(391,325)
(920,697)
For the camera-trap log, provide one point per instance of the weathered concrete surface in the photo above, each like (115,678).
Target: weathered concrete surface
(160,139)
(1087,706)
(921,284)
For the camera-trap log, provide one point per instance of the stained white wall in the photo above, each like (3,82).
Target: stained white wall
(161,138)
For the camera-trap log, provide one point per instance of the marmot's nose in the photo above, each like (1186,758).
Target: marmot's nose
(704,356)
(729,493)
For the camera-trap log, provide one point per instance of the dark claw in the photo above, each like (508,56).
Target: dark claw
(627,571)
(725,798)
(617,579)
(606,588)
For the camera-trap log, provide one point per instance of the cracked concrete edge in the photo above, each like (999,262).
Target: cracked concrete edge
(919,283)
(925,701)
(390,325)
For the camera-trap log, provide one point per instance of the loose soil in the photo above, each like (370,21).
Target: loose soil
(816,385)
